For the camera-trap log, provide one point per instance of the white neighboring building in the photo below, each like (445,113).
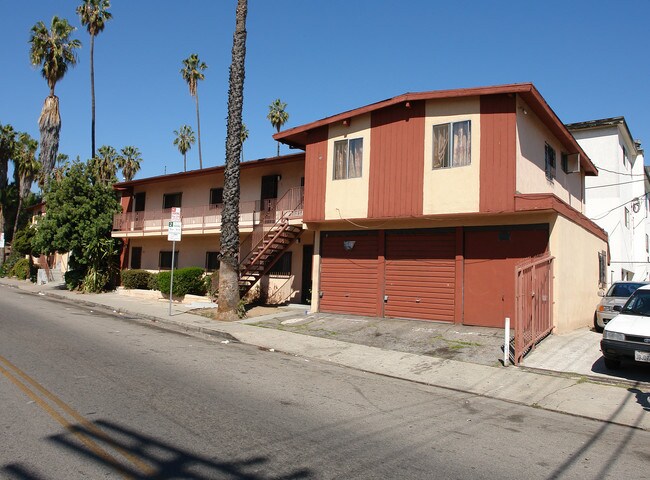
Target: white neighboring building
(617,199)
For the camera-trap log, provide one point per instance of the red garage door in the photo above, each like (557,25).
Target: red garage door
(491,255)
(349,279)
(420,275)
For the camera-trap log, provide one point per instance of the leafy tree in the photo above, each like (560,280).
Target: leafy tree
(184,140)
(27,168)
(79,220)
(229,270)
(105,165)
(54,50)
(7,148)
(129,162)
(278,116)
(192,73)
(244,137)
(93,15)
(62,166)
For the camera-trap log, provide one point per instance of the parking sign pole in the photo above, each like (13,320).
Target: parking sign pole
(171,280)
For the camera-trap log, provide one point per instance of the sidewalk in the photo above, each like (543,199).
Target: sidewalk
(625,401)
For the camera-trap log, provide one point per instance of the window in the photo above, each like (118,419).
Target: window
(627,217)
(136,257)
(647,243)
(602,268)
(624,155)
(172,200)
(216,196)
(452,144)
(165,260)
(212,262)
(564,160)
(348,157)
(282,266)
(549,161)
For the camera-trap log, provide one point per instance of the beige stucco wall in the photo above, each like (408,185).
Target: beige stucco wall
(452,190)
(532,135)
(575,270)
(348,198)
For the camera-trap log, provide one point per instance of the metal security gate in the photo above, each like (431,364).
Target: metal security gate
(533,304)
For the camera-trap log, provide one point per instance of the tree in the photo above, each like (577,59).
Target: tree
(27,168)
(244,137)
(228,301)
(191,73)
(54,50)
(7,148)
(62,166)
(184,140)
(79,220)
(93,15)
(129,162)
(278,116)
(104,165)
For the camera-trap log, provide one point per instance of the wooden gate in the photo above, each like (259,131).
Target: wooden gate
(533,304)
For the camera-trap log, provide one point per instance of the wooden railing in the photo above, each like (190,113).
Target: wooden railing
(287,207)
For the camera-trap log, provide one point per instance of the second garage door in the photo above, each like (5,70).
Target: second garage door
(420,275)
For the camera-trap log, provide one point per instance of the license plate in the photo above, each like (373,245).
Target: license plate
(641,356)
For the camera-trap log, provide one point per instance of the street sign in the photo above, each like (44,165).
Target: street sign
(176,214)
(174,231)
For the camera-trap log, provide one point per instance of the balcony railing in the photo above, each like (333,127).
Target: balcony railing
(208,217)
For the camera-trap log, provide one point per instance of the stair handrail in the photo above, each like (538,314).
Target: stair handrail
(259,231)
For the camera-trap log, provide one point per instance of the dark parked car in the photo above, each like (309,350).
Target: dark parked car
(617,294)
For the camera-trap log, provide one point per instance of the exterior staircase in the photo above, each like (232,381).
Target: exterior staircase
(275,242)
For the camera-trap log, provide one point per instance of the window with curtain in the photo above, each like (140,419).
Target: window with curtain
(348,158)
(452,144)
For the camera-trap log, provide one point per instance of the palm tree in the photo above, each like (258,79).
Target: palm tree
(278,116)
(184,140)
(104,165)
(229,271)
(93,15)
(244,137)
(54,50)
(129,162)
(7,148)
(191,73)
(27,167)
(62,166)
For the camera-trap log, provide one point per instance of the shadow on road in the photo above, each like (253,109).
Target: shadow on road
(138,456)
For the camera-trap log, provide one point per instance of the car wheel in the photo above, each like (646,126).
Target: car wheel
(597,327)
(612,364)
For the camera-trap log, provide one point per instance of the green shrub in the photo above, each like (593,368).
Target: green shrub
(152,284)
(135,279)
(20,269)
(73,279)
(10,261)
(186,281)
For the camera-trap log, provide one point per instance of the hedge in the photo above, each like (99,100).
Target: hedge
(186,281)
(135,279)
(21,269)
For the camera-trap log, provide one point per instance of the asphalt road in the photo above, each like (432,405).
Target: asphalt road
(86,394)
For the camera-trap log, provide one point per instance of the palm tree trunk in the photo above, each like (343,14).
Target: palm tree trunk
(49,124)
(184,162)
(228,300)
(278,149)
(198,127)
(20,207)
(92,93)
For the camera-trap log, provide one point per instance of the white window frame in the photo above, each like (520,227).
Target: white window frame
(448,161)
(344,175)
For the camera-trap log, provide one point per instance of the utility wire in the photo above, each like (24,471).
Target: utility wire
(621,173)
(603,215)
(615,184)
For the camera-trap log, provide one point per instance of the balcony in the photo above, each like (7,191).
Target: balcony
(204,219)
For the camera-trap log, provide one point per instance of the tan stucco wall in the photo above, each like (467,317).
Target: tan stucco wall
(532,135)
(575,271)
(452,190)
(348,198)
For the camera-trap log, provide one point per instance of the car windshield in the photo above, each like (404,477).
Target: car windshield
(623,289)
(638,304)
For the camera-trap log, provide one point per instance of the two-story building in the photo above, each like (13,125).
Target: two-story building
(270,194)
(431,206)
(616,200)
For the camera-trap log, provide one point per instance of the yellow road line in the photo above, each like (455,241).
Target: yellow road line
(92,445)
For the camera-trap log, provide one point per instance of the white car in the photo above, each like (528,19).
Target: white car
(627,335)
(617,294)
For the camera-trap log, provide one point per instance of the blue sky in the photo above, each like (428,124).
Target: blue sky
(589,59)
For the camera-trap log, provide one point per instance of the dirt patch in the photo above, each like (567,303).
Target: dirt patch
(256,311)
